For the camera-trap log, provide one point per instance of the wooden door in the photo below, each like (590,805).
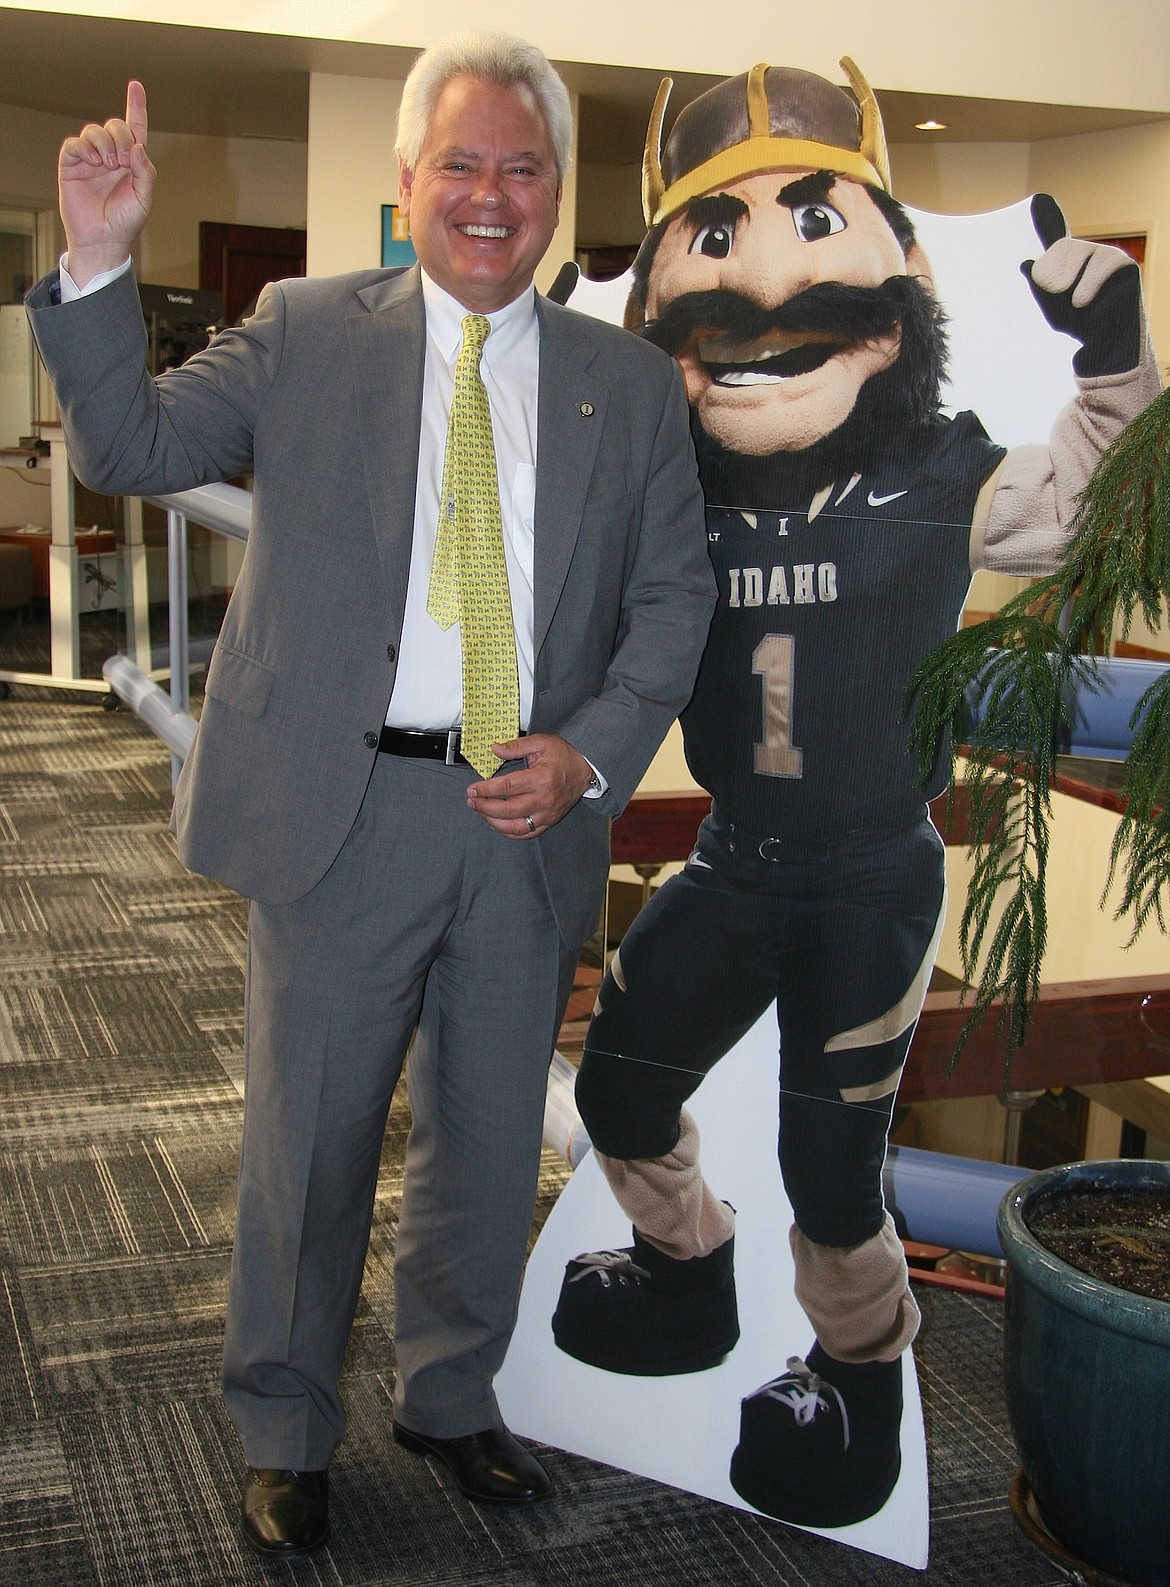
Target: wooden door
(239,260)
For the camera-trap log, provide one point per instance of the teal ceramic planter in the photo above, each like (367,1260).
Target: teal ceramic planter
(1088,1387)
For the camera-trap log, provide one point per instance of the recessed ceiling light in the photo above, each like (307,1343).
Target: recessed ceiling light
(930,126)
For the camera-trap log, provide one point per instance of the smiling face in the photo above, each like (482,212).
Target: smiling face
(484,196)
(767,370)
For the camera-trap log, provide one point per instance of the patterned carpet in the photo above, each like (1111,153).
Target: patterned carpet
(120,1035)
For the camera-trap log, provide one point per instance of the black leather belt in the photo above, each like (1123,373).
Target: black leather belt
(423,746)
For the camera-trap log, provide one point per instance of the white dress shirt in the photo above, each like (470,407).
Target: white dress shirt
(428,690)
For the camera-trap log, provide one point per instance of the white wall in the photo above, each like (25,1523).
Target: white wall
(352,170)
(29,140)
(1085,942)
(251,181)
(245,181)
(1118,182)
(609,205)
(959,178)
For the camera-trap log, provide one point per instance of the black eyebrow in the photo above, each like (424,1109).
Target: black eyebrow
(811,189)
(715,209)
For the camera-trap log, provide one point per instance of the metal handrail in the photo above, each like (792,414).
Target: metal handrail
(225,510)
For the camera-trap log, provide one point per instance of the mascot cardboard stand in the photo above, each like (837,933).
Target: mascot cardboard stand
(846,514)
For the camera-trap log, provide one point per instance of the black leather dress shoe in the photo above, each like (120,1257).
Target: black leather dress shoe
(491,1466)
(285,1512)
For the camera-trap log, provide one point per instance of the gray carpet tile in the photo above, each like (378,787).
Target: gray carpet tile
(155,1484)
(24,1398)
(121,1074)
(127,1330)
(136,1197)
(42,1538)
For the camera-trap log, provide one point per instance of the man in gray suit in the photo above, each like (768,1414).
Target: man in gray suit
(394,891)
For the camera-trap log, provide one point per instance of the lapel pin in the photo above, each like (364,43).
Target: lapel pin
(585,409)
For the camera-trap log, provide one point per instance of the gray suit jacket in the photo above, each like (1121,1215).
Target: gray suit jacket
(318,397)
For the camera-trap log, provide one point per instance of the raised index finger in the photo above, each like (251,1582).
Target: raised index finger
(136,110)
(1048,219)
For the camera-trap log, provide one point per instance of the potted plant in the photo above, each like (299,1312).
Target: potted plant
(1087,1358)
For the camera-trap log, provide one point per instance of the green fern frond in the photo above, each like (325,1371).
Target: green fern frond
(1119,559)
(1001,687)
(1009,833)
(1141,844)
(1017,708)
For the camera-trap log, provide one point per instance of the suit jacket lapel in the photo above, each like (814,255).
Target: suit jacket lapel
(387,348)
(571,405)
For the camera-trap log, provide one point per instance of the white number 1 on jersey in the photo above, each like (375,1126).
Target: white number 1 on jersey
(774,660)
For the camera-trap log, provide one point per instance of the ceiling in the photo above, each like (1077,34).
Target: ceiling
(203,80)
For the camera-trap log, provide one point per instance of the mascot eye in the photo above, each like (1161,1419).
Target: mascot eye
(814,221)
(715,241)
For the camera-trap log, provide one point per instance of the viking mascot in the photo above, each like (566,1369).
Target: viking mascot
(846,514)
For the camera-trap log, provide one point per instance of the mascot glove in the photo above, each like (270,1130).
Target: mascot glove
(1090,291)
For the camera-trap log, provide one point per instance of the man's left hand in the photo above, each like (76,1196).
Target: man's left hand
(525,803)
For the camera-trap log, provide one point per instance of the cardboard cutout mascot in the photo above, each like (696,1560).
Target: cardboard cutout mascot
(846,514)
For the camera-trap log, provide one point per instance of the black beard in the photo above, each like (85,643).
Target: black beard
(890,407)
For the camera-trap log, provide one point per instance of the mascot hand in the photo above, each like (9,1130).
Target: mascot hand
(1089,291)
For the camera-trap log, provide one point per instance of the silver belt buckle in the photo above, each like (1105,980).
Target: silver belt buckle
(452,746)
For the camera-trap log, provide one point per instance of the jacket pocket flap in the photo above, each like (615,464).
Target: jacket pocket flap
(239,680)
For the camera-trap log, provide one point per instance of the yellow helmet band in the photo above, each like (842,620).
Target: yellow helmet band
(755,155)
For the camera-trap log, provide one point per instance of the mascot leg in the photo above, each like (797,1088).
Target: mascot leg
(858,1299)
(820,1444)
(668,1009)
(667,1303)
(668,1199)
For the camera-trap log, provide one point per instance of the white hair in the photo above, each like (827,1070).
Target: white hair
(493,58)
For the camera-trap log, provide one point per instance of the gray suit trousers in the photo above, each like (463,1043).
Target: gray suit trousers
(428,925)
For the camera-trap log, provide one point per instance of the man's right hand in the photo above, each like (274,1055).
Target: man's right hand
(106,185)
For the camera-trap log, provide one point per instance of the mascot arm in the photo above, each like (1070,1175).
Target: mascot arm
(1023,519)
(1091,292)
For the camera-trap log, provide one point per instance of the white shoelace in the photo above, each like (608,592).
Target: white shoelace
(608,1265)
(803,1391)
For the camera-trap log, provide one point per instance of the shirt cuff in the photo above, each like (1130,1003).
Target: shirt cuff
(70,291)
(598,786)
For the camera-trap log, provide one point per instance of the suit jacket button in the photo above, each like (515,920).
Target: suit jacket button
(370,740)
(389,652)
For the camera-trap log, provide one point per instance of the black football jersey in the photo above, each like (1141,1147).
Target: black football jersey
(797,725)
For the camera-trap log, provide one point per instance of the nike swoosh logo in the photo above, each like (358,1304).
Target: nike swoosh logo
(880,501)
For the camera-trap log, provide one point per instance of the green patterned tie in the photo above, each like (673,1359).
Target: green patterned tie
(469,577)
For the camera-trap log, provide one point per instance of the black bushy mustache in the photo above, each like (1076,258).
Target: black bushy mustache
(844,313)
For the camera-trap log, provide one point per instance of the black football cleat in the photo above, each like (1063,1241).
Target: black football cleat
(821,1445)
(644,1313)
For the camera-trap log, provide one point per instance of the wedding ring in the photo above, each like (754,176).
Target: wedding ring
(530,823)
